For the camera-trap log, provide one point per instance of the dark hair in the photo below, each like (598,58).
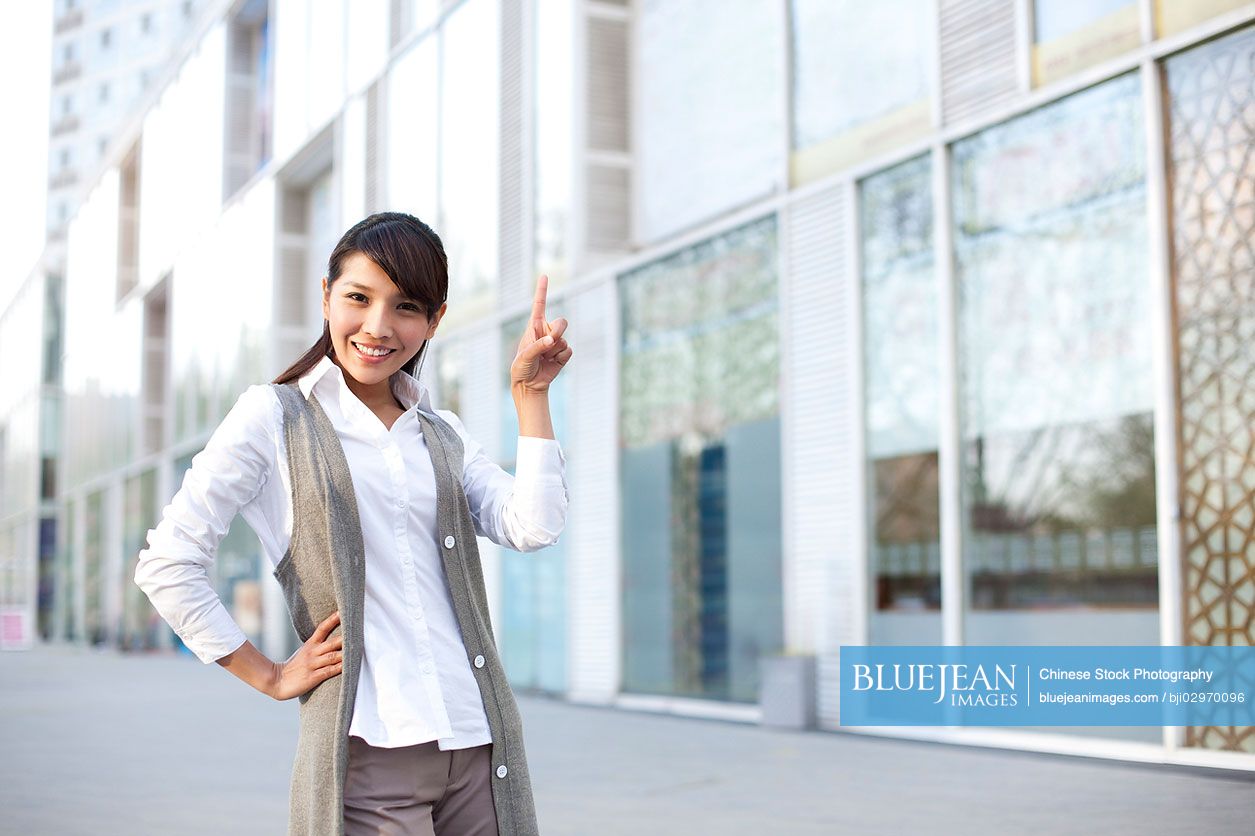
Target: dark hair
(405,248)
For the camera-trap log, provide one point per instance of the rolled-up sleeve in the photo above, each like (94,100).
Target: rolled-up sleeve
(173,571)
(525,511)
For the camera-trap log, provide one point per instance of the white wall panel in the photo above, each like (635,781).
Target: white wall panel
(978,57)
(351,165)
(820,428)
(515,127)
(592,531)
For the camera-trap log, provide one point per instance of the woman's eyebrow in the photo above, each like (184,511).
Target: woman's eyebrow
(371,289)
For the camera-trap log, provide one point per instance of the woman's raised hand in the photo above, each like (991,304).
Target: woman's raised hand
(318,659)
(542,351)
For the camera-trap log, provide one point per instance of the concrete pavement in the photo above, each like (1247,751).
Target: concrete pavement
(99,742)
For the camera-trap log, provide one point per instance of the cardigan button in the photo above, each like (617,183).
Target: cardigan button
(448,542)
(501,771)
(479,661)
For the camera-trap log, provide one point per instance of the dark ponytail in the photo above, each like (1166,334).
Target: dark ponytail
(412,255)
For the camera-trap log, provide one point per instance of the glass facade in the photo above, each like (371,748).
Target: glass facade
(554,131)
(857,90)
(775,159)
(901,396)
(707,76)
(141,625)
(1070,35)
(700,464)
(1173,16)
(1055,375)
(533,634)
(470,101)
(443,103)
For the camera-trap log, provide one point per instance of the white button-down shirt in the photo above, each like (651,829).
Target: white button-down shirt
(416,683)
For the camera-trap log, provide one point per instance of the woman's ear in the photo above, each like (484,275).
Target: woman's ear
(435,321)
(326,299)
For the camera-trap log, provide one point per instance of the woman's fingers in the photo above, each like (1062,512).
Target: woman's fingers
(553,351)
(536,349)
(538,305)
(328,624)
(330,660)
(557,327)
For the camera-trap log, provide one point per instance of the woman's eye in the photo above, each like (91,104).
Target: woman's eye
(413,307)
(355,296)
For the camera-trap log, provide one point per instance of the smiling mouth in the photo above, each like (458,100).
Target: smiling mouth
(372,353)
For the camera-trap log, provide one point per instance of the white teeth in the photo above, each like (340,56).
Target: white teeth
(374,352)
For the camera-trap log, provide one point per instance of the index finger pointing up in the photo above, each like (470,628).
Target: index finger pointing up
(538,306)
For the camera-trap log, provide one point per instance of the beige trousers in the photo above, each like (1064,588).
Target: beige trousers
(418,791)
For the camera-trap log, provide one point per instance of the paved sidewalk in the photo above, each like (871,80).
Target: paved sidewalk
(98,742)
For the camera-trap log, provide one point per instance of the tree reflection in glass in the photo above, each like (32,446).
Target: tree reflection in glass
(1055,371)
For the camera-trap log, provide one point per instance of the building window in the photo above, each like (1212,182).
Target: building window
(146,23)
(902,403)
(64,157)
(700,463)
(65,105)
(1070,36)
(102,145)
(248,97)
(706,73)
(468,146)
(67,53)
(106,37)
(1055,386)
(104,92)
(534,614)
(856,92)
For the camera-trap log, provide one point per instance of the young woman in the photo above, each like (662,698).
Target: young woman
(367,501)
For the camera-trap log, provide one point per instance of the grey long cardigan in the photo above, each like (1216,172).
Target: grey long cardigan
(324,569)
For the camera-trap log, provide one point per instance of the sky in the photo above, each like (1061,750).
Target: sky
(25,79)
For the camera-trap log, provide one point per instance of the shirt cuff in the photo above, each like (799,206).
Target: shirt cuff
(538,461)
(212,643)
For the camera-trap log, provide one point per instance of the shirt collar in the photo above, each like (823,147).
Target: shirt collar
(408,390)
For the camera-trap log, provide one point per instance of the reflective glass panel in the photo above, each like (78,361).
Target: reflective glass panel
(861,80)
(700,467)
(900,351)
(1070,35)
(470,95)
(1055,365)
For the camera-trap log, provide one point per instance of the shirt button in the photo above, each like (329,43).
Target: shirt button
(426,668)
(479,661)
(400,503)
(448,541)
(501,771)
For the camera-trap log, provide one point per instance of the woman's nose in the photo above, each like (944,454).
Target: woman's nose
(376,323)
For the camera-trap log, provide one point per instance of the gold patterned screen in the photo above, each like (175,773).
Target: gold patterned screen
(1212,105)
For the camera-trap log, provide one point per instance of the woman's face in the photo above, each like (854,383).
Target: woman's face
(364,308)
